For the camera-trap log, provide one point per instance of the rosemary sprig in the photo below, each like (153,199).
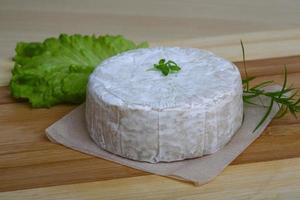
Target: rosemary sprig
(284,98)
(166,67)
(244,64)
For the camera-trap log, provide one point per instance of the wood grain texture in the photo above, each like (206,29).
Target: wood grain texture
(268,31)
(265,180)
(5,96)
(29,160)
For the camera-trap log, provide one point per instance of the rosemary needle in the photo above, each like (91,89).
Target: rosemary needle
(284,98)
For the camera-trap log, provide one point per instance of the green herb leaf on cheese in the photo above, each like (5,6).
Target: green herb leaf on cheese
(166,67)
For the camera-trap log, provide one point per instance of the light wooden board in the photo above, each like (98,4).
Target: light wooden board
(29,160)
(260,181)
(268,169)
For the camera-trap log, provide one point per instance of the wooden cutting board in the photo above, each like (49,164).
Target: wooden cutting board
(33,168)
(269,168)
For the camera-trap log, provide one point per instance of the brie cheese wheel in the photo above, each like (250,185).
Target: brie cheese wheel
(143,115)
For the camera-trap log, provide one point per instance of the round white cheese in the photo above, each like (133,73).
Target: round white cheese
(143,115)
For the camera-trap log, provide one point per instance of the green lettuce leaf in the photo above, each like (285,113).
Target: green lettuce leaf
(57,70)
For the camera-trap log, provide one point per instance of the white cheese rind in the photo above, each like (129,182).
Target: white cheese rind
(142,115)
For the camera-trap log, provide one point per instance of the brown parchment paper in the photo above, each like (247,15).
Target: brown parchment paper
(71,132)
